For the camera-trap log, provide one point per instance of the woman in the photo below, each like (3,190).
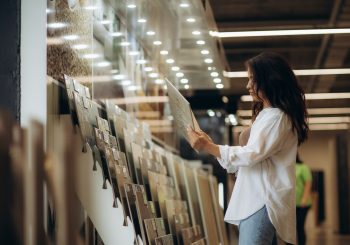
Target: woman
(263,199)
(303,197)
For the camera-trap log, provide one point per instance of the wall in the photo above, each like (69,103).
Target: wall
(319,152)
(33,61)
(10,56)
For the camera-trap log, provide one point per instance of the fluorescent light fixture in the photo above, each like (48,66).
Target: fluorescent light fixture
(328,111)
(142,20)
(80,46)
(214,74)
(200,42)
(191,20)
(187,86)
(179,74)
(326,120)
(237,34)
(184,81)
(124,44)
(170,61)
(211,113)
(91,56)
(116,34)
(148,68)
(141,62)
(310,111)
(131,6)
(56,25)
(337,126)
(204,51)
(217,80)
(325,96)
(71,37)
(164,52)
(219,86)
(184,5)
(175,68)
(305,72)
(157,43)
(159,81)
(150,33)
(153,75)
(103,64)
(91,7)
(208,61)
(196,33)
(114,71)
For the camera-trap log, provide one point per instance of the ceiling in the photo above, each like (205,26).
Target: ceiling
(302,52)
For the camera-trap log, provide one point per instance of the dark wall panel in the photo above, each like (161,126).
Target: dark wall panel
(10,21)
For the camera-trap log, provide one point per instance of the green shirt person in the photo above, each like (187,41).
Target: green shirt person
(303,197)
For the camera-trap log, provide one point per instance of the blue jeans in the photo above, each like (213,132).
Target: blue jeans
(257,229)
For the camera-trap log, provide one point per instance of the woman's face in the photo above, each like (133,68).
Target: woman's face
(251,86)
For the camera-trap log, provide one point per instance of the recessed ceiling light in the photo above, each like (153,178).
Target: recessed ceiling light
(105,22)
(116,34)
(196,33)
(125,82)
(131,6)
(153,75)
(187,86)
(214,74)
(164,52)
(133,87)
(175,68)
(159,81)
(200,42)
(219,86)
(141,61)
(270,33)
(103,64)
(184,5)
(191,20)
(157,43)
(71,37)
(150,33)
(208,61)
(124,44)
(134,53)
(91,56)
(184,80)
(80,46)
(217,80)
(56,25)
(179,74)
(118,77)
(204,51)
(148,69)
(170,61)
(142,20)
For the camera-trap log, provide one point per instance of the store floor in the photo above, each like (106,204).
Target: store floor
(322,236)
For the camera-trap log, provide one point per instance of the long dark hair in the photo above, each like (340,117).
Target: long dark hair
(273,77)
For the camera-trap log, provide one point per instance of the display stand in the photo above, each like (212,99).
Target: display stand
(98,202)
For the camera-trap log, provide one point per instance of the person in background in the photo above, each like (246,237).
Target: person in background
(303,197)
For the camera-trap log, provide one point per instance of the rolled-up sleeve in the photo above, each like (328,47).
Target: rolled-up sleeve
(265,139)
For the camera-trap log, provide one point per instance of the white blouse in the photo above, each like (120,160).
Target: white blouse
(266,173)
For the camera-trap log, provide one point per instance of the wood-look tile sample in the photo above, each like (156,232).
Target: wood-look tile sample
(165,240)
(151,231)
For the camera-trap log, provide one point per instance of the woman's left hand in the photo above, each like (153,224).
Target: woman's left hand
(198,139)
